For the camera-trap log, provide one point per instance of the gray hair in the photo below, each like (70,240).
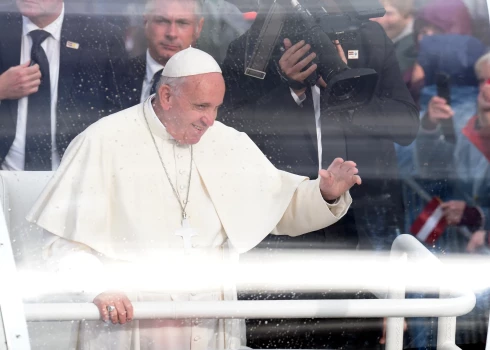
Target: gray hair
(482,61)
(149,7)
(174,83)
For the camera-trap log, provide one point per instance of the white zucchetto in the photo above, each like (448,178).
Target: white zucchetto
(189,62)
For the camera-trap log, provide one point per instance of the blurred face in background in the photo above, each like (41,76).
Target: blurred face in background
(484,95)
(428,30)
(41,12)
(393,22)
(171,26)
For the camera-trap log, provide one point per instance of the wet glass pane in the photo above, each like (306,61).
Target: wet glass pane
(224,174)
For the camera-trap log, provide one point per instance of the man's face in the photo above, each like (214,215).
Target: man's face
(484,95)
(171,27)
(194,107)
(38,8)
(393,22)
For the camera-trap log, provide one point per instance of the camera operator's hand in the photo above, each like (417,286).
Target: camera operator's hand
(341,53)
(439,110)
(292,62)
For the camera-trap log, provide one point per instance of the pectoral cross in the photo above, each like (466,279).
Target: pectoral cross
(186,232)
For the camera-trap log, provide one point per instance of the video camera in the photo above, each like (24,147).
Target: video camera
(312,22)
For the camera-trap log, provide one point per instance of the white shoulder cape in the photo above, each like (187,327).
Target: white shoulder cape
(249,194)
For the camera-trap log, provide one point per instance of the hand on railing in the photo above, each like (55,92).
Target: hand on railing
(114,306)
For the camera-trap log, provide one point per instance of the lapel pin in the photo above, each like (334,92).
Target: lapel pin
(353,54)
(72,45)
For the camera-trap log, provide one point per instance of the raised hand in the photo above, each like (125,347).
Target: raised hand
(439,110)
(476,242)
(453,211)
(338,179)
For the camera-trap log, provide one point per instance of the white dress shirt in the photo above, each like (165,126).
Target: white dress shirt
(15,159)
(152,67)
(315,92)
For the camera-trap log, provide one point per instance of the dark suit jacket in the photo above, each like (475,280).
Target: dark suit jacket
(129,79)
(84,86)
(286,132)
(406,53)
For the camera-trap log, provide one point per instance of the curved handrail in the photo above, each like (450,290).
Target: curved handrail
(449,307)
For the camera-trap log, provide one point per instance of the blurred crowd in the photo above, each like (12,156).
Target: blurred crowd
(437,50)
(444,60)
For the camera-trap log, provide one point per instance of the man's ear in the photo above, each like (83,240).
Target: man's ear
(165,97)
(200,23)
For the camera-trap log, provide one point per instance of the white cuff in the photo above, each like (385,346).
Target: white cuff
(339,208)
(331,205)
(299,101)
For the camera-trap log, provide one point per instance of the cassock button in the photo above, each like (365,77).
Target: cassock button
(182,172)
(197,338)
(179,156)
(182,187)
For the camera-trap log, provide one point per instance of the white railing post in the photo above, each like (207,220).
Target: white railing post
(3,337)
(446,334)
(394,325)
(487,347)
(11,306)
(446,329)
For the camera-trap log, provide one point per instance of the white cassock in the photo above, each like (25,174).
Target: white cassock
(111,194)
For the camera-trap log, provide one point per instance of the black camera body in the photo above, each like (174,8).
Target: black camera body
(312,22)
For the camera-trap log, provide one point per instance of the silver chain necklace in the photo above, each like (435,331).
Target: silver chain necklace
(176,193)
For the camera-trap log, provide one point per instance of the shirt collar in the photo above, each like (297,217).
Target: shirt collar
(407,31)
(152,67)
(53,28)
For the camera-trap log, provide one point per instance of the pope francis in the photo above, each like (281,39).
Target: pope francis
(164,179)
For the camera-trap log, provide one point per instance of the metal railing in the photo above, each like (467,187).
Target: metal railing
(453,303)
